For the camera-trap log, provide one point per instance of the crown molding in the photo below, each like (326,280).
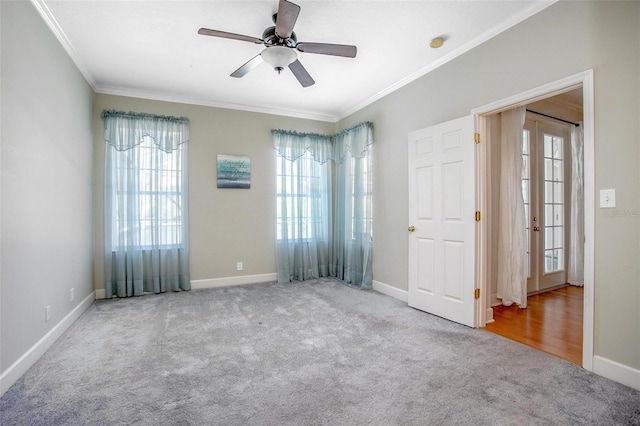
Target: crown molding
(307,115)
(57,31)
(535,7)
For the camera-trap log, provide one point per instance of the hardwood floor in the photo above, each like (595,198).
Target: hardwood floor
(552,322)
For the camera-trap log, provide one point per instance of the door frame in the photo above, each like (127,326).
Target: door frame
(483,195)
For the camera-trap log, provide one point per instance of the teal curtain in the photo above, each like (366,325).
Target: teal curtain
(324,229)
(145,204)
(353,220)
(303,193)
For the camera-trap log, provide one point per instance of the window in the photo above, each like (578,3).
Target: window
(362,181)
(147,184)
(302,198)
(302,201)
(145,204)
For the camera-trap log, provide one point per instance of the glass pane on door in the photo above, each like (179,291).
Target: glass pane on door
(526,192)
(553,204)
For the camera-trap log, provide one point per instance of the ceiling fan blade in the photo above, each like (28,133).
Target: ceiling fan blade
(251,64)
(224,34)
(301,74)
(345,50)
(287,17)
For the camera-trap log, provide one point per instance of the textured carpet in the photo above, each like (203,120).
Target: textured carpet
(312,353)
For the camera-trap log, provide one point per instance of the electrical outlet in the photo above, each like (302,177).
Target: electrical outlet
(240,266)
(72,295)
(47,313)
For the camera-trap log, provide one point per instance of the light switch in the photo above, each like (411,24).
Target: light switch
(607,198)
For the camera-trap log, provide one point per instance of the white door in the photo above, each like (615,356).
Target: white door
(442,220)
(545,176)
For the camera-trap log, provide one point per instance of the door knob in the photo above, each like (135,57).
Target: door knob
(411,228)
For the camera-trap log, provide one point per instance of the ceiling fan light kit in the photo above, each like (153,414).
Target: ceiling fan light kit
(279,57)
(280,42)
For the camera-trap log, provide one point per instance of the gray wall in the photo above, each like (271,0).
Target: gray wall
(226,225)
(562,40)
(46,181)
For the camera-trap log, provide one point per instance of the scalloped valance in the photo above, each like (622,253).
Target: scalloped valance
(293,145)
(125,130)
(355,140)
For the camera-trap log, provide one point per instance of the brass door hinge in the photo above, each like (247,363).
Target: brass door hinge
(476,294)
(477,216)
(476,137)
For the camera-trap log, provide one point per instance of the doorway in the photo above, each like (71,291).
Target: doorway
(486,262)
(554,309)
(553,319)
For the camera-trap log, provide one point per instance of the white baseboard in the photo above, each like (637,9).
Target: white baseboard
(489,316)
(494,300)
(218,282)
(18,368)
(390,290)
(229,281)
(617,372)
(489,313)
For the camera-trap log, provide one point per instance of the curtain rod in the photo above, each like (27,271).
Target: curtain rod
(555,118)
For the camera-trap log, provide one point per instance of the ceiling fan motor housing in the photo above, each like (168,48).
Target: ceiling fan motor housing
(272,39)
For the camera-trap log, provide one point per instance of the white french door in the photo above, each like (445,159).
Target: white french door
(546,154)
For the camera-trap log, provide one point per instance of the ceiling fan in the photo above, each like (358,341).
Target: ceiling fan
(281,43)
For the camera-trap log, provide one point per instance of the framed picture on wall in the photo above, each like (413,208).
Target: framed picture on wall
(234,171)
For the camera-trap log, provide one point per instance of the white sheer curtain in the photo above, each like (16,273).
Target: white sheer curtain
(351,260)
(303,203)
(145,205)
(576,221)
(512,243)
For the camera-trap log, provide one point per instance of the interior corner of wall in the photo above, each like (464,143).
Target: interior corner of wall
(100,293)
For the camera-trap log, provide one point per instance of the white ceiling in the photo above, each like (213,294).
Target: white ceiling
(151,49)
